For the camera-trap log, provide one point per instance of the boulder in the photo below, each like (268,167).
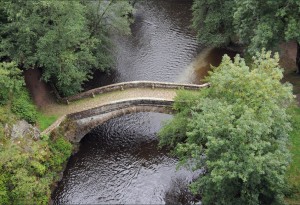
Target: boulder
(23,128)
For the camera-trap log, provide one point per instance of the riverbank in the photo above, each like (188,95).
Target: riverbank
(30,162)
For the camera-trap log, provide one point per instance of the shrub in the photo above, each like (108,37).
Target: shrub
(61,150)
(24,108)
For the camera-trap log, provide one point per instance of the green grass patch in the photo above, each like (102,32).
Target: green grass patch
(293,173)
(44,121)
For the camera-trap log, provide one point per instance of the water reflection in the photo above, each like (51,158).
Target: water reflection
(198,69)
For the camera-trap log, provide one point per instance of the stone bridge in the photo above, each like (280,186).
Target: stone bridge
(89,109)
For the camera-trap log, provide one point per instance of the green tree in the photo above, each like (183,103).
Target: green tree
(104,18)
(61,37)
(11,81)
(267,23)
(236,132)
(254,23)
(213,21)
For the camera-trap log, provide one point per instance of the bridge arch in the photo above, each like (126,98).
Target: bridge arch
(83,122)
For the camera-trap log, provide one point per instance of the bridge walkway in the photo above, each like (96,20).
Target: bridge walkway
(59,109)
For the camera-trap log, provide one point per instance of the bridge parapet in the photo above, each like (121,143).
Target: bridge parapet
(131,84)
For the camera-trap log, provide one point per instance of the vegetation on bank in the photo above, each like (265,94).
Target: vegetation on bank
(255,24)
(236,132)
(44,121)
(28,165)
(67,39)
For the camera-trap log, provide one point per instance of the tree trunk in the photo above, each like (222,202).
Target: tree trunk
(298,58)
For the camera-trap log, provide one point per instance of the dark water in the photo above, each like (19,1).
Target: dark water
(119,161)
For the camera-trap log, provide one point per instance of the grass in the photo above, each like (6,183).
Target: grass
(44,121)
(293,174)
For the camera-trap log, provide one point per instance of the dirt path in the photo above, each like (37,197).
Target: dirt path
(39,90)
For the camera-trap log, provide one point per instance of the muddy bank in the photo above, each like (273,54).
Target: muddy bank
(40,92)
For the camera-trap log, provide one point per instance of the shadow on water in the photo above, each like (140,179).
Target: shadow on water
(178,193)
(119,162)
(198,69)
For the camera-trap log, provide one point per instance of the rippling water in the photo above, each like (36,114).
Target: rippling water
(160,48)
(119,162)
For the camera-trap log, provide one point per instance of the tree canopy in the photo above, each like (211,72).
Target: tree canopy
(236,132)
(67,39)
(254,23)
(211,20)
(11,81)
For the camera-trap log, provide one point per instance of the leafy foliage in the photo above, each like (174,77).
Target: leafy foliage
(24,107)
(236,131)
(28,168)
(254,23)
(211,20)
(11,81)
(265,24)
(68,39)
(12,93)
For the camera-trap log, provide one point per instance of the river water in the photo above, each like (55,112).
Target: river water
(119,162)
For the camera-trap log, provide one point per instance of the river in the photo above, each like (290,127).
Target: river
(119,162)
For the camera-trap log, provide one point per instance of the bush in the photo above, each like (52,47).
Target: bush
(11,81)
(28,168)
(61,150)
(24,108)
(4,199)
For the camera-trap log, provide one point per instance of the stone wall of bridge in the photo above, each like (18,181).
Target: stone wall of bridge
(83,122)
(131,84)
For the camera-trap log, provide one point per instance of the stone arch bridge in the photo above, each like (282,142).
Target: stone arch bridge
(89,109)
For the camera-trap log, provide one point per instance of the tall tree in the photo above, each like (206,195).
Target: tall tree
(213,21)
(11,81)
(104,18)
(257,24)
(60,37)
(236,132)
(268,23)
